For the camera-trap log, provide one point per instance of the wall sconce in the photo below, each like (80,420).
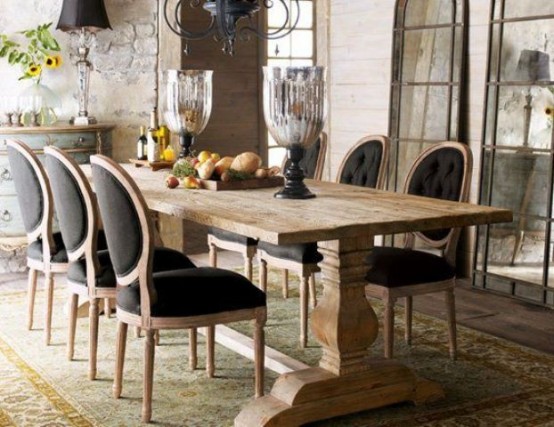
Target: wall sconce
(533,66)
(85,17)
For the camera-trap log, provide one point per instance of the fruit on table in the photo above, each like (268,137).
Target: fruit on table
(171,181)
(261,173)
(215,157)
(204,155)
(169,154)
(223,164)
(247,162)
(191,182)
(274,170)
(206,169)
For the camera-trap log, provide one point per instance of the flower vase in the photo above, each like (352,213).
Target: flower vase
(43,102)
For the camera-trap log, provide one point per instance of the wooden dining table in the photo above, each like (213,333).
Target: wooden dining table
(343,219)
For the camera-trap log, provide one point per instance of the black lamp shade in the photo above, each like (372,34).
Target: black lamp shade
(77,14)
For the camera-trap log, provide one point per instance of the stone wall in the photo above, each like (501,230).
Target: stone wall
(123,83)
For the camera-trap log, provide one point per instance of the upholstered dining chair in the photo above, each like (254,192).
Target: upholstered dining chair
(442,171)
(365,165)
(180,299)
(46,252)
(312,164)
(90,274)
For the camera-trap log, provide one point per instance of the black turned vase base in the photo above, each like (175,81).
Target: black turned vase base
(297,194)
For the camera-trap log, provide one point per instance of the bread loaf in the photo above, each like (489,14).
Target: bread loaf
(247,162)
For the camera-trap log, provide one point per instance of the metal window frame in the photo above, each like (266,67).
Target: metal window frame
(459,10)
(481,276)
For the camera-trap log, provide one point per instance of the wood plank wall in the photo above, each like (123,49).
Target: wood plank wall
(359,55)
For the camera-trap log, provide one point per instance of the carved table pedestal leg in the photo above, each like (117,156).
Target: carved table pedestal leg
(347,379)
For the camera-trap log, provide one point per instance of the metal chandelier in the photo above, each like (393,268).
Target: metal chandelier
(231,20)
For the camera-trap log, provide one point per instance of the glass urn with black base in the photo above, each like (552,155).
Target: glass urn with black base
(295,108)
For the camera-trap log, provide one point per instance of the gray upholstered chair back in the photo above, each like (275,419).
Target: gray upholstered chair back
(443,171)
(313,161)
(70,203)
(366,162)
(122,225)
(128,227)
(28,188)
(75,206)
(33,194)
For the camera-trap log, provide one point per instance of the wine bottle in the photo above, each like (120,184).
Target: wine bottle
(154,124)
(163,139)
(153,150)
(141,144)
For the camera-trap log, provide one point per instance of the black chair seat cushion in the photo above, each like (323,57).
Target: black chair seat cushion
(394,267)
(165,259)
(34,250)
(195,292)
(77,272)
(305,253)
(232,237)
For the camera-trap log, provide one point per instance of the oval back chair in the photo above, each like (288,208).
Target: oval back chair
(178,299)
(442,171)
(46,252)
(90,272)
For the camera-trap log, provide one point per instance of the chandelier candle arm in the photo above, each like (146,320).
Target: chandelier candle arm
(226,18)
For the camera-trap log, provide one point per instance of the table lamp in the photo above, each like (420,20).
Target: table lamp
(533,66)
(85,17)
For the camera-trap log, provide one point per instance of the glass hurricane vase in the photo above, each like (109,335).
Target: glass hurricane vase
(295,109)
(188,105)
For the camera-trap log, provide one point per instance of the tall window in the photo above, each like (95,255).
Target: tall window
(296,49)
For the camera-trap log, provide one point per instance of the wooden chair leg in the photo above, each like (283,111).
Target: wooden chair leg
(313,293)
(73,305)
(388,327)
(193,346)
(210,350)
(451,316)
(149,350)
(157,337)
(93,314)
(49,286)
(107,308)
(263,274)
(408,309)
(285,283)
(248,267)
(304,286)
(120,345)
(137,331)
(259,355)
(32,290)
(213,255)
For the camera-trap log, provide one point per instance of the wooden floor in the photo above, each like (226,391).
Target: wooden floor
(504,317)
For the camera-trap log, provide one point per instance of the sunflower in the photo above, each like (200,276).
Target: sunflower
(53,61)
(34,70)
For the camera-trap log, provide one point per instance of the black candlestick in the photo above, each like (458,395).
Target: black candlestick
(294,177)
(186,142)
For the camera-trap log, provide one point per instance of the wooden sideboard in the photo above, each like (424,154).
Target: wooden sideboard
(80,141)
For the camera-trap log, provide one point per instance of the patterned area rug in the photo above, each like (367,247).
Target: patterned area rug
(493,383)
